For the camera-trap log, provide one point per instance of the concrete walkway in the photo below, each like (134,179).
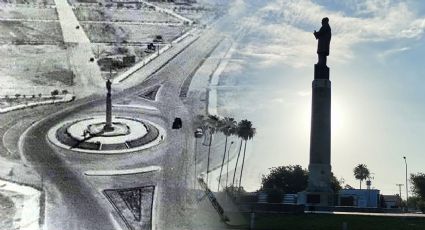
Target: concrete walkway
(87,74)
(414,215)
(69,24)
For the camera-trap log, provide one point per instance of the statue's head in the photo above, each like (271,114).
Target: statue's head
(325,21)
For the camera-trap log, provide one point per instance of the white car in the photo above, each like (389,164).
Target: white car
(199,133)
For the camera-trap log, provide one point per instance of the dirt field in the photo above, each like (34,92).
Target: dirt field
(28,13)
(121,15)
(24,68)
(7,212)
(36,2)
(30,32)
(107,33)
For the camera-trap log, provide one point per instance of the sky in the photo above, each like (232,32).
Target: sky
(377,71)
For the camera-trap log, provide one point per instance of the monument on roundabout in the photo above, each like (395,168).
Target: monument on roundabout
(107,133)
(108,126)
(319,192)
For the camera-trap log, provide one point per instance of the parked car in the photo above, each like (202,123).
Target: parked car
(158,38)
(199,133)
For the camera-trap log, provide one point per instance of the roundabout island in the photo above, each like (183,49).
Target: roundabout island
(110,135)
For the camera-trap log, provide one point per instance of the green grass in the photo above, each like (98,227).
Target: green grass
(330,222)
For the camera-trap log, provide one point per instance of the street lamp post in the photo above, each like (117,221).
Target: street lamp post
(407,191)
(195,160)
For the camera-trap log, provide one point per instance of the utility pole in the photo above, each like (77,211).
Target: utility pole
(407,190)
(399,188)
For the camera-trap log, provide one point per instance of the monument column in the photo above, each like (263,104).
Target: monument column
(319,189)
(108,124)
(319,192)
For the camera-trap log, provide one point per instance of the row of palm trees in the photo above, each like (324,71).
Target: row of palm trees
(229,127)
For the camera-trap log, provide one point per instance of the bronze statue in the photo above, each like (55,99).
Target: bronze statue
(324,39)
(108,85)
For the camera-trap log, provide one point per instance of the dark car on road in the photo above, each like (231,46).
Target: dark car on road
(177,124)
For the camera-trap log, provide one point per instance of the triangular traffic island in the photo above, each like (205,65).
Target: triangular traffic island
(134,205)
(133,200)
(151,93)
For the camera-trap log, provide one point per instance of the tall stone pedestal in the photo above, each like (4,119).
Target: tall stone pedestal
(108,125)
(319,192)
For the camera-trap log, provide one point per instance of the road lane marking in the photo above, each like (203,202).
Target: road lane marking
(122,171)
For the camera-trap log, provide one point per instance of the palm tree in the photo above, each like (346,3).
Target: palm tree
(237,160)
(228,127)
(227,166)
(213,123)
(361,172)
(246,132)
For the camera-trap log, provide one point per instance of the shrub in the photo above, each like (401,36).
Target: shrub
(54,93)
(274,196)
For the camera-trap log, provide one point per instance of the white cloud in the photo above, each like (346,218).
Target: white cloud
(304,93)
(390,52)
(281,31)
(278,100)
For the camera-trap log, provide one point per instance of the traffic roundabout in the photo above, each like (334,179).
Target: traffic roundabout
(95,135)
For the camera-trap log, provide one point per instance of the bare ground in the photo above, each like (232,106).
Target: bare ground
(27,67)
(7,212)
(30,32)
(108,33)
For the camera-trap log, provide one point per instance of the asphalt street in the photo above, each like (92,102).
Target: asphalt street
(73,202)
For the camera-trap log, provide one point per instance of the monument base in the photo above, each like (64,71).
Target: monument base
(315,199)
(108,128)
(319,192)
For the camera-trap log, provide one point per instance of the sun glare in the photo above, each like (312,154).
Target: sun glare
(337,119)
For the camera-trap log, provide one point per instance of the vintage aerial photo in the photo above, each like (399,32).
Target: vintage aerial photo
(212,114)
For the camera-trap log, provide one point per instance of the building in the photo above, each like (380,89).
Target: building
(359,198)
(391,201)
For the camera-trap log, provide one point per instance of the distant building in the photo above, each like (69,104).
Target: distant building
(391,201)
(129,60)
(116,61)
(360,198)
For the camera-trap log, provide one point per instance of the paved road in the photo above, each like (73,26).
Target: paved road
(72,201)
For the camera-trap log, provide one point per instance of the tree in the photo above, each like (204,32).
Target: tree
(361,172)
(418,184)
(291,179)
(237,161)
(228,128)
(245,132)
(335,183)
(54,93)
(212,123)
(287,179)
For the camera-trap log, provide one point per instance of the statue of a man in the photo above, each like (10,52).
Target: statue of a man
(324,39)
(108,85)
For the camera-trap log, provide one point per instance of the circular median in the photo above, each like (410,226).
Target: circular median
(89,135)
